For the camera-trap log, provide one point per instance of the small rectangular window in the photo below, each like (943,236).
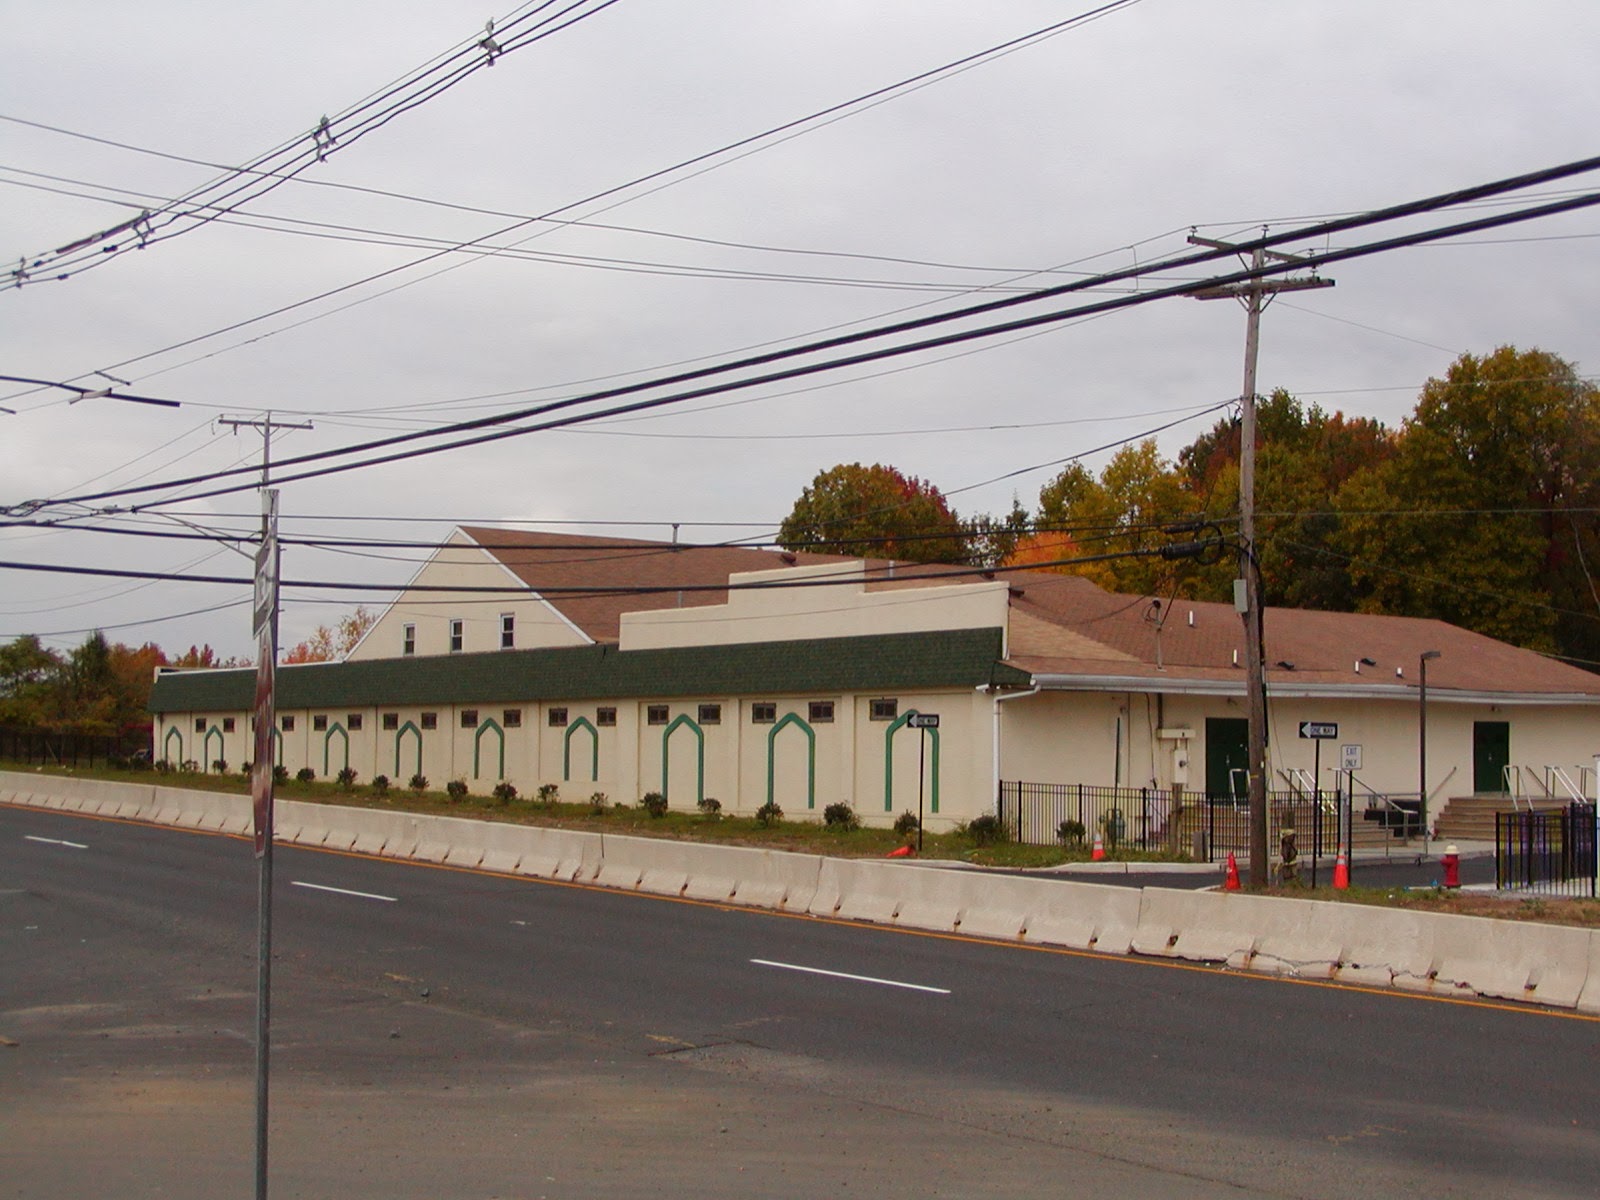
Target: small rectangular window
(885,710)
(656,714)
(511,718)
(605,716)
(711,714)
(319,723)
(508,631)
(408,640)
(821,712)
(469,718)
(391,720)
(457,634)
(763,712)
(352,721)
(227,724)
(557,718)
(199,724)
(430,720)
(288,723)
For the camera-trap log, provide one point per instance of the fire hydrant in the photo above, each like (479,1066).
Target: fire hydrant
(1450,860)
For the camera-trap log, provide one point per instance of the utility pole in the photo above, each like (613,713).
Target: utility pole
(265,625)
(1255,294)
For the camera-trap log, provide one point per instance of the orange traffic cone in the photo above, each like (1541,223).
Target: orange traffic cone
(1341,872)
(901,852)
(1231,883)
(1099,852)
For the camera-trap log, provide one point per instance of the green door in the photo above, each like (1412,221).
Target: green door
(1491,754)
(1227,756)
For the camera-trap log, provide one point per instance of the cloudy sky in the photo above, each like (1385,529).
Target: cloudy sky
(1092,150)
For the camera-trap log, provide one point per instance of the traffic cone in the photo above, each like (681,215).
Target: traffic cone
(1341,872)
(901,852)
(1231,883)
(1099,852)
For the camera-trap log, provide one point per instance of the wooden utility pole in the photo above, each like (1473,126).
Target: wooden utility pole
(1247,588)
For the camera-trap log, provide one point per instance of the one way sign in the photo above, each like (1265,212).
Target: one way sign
(1320,730)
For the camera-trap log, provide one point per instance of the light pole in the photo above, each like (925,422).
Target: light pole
(1422,741)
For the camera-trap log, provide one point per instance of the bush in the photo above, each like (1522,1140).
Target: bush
(549,793)
(347,778)
(418,783)
(1114,826)
(654,803)
(711,806)
(189,766)
(985,829)
(768,814)
(220,766)
(597,803)
(456,789)
(505,792)
(280,774)
(163,766)
(305,775)
(840,816)
(907,824)
(380,785)
(1070,833)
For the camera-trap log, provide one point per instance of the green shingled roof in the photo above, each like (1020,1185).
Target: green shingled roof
(890,662)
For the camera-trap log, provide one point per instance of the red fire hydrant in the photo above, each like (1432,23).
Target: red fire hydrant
(1450,860)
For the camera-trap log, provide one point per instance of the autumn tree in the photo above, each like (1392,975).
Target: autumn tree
(328,645)
(27,677)
(875,512)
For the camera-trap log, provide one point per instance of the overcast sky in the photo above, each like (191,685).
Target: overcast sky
(1094,149)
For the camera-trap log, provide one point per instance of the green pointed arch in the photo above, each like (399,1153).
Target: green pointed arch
(811,757)
(327,749)
(488,725)
(888,762)
(566,749)
(700,756)
(166,745)
(205,748)
(399,738)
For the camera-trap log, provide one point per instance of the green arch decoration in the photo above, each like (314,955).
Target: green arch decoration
(811,756)
(487,725)
(399,737)
(172,732)
(566,749)
(205,748)
(327,749)
(700,756)
(888,763)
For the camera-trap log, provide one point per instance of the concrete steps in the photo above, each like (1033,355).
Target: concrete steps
(1471,818)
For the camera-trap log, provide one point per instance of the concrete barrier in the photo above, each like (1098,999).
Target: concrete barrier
(778,879)
(504,846)
(215,811)
(569,855)
(717,874)
(664,868)
(933,898)
(1589,997)
(855,889)
(1083,916)
(1547,964)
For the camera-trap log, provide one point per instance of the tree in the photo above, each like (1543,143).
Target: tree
(1049,548)
(875,512)
(27,677)
(326,645)
(206,657)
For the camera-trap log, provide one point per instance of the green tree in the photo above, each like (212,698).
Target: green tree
(28,674)
(875,512)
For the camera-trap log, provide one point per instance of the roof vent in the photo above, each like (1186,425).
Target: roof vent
(1285,664)
(788,558)
(1236,658)
(1191,618)
(1365,662)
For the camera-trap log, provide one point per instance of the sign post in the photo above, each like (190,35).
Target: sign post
(922,722)
(265,611)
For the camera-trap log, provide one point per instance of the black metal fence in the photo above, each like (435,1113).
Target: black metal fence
(48,748)
(1551,852)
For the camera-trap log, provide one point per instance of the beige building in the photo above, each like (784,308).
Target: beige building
(749,676)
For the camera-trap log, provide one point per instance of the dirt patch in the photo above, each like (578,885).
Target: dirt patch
(1548,910)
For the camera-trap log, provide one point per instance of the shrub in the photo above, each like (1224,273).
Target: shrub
(505,792)
(418,783)
(549,793)
(1070,833)
(280,774)
(711,806)
(985,829)
(189,766)
(305,775)
(1114,826)
(768,814)
(597,803)
(907,824)
(654,803)
(347,778)
(840,816)
(220,766)
(163,766)
(456,789)
(380,784)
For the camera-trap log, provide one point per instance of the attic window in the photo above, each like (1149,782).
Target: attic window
(508,631)
(408,640)
(656,714)
(430,720)
(352,722)
(469,718)
(199,724)
(227,724)
(457,634)
(512,718)
(558,718)
(710,714)
(391,720)
(820,712)
(319,723)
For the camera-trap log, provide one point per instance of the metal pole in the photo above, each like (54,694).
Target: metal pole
(1422,742)
(922,756)
(1316,807)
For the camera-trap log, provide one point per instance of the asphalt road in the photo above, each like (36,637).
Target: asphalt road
(448,1034)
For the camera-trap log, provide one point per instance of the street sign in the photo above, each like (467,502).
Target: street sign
(1350,757)
(923,721)
(1321,730)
